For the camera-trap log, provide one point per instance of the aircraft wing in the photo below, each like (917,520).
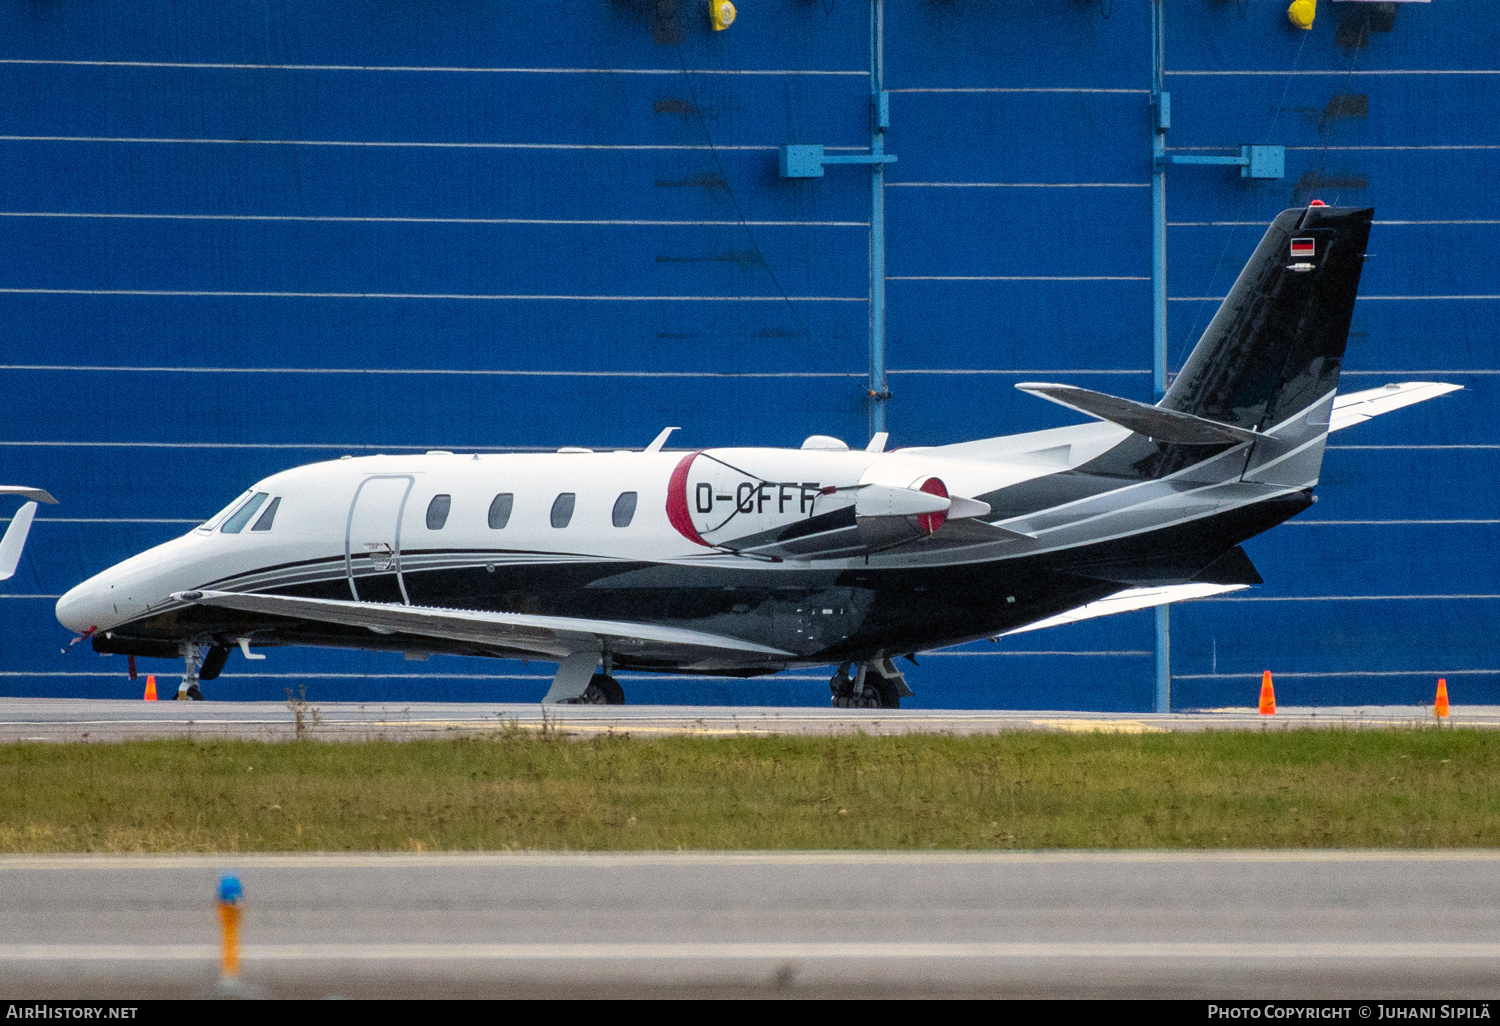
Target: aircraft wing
(1128,600)
(34,494)
(1358,407)
(553,637)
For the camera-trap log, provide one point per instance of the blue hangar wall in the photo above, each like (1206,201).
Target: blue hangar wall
(241,236)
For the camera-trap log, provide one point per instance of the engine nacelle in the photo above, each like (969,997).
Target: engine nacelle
(812,505)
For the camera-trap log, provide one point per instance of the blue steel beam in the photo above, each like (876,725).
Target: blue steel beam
(879,391)
(1161,120)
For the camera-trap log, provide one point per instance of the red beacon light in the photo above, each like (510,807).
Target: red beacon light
(1317,203)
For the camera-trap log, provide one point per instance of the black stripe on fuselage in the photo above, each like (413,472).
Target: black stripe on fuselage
(821,614)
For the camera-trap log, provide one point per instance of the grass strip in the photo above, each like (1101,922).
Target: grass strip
(1432,787)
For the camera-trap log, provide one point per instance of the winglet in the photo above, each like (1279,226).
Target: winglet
(661,439)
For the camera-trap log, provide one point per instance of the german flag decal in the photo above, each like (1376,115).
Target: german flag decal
(1304,247)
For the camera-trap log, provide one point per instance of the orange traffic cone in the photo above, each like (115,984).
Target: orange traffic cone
(150,687)
(1267,695)
(1440,706)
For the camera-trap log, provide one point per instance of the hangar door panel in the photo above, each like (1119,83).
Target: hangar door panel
(372,540)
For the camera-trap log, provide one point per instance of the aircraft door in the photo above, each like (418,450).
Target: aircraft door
(372,539)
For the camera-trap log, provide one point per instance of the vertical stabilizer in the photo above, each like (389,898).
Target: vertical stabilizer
(1270,359)
(1276,344)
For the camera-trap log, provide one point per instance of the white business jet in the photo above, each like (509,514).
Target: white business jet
(745,561)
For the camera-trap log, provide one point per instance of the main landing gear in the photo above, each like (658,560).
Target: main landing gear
(602,690)
(876,684)
(577,683)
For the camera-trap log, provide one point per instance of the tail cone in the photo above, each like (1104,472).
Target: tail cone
(1440,706)
(150,687)
(1267,695)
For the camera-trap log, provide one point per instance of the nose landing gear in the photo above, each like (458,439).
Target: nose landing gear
(199,666)
(876,684)
(188,690)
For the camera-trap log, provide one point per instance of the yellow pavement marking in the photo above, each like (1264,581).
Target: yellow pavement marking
(1102,726)
(564,726)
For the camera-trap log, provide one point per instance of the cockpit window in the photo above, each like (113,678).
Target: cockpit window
(268,517)
(241,517)
(437,511)
(218,518)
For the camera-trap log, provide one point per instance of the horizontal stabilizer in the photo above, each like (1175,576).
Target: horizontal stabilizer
(1358,407)
(1129,600)
(553,636)
(1156,422)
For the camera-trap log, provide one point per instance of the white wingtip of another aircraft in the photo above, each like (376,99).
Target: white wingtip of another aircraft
(34,494)
(15,540)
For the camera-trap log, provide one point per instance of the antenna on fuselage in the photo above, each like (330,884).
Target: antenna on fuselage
(661,439)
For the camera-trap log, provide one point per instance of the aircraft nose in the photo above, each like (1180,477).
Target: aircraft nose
(84,606)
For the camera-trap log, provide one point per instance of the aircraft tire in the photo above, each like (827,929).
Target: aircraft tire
(878,692)
(884,691)
(841,687)
(602,690)
(613,693)
(213,663)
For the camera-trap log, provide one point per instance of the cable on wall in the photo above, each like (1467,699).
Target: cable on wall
(1245,196)
(739,212)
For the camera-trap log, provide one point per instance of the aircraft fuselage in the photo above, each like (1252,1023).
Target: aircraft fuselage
(548,534)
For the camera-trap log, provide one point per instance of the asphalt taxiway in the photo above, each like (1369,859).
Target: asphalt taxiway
(62,719)
(1035,924)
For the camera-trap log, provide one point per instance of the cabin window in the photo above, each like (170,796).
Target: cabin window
(500,507)
(236,523)
(562,509)
(437,511)
(624,511)
(267,518)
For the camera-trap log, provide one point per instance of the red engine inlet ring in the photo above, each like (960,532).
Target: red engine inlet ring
(930,522)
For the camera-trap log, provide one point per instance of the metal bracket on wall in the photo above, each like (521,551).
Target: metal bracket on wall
(1253,161)
(806,161)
